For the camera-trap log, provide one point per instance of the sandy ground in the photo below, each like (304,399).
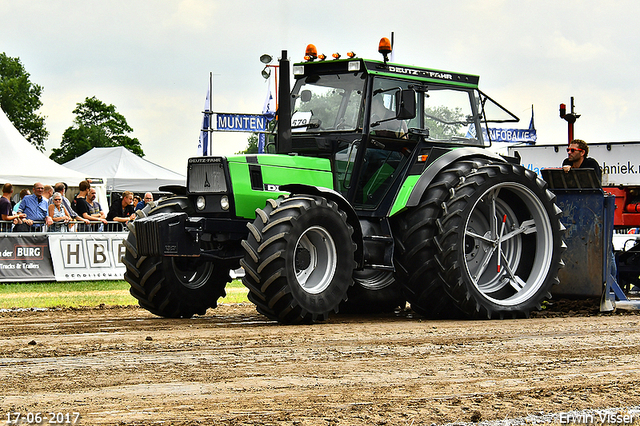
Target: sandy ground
(124,366)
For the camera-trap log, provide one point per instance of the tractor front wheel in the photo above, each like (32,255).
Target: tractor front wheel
(173,287)
(299,259)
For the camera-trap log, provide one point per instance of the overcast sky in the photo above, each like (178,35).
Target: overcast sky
(152,59)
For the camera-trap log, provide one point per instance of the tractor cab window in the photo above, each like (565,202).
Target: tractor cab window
(327,103)
(444,113)
(458,115)
(448,115)
(384,118)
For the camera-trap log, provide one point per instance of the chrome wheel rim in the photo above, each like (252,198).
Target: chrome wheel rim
(495,244)
(315,260)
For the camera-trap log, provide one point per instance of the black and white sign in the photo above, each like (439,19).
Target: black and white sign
(87,256)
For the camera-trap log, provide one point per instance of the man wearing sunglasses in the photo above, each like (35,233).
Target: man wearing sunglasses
(577,158)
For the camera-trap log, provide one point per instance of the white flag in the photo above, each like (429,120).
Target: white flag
(204,148)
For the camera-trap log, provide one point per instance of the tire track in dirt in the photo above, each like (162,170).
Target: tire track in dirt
(232,366)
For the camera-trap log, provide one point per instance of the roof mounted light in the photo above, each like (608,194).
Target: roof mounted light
(351,54)
(266,59)
(384,48)
(336,55)
(322,56)
(311,53)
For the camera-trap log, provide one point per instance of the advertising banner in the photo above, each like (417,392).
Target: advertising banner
(240,122)
(25,258)
(87,257)
(505,135)
(619,161)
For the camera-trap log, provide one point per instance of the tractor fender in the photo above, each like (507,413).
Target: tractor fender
(177,203)
(170,204)
(443,161)
(352,217)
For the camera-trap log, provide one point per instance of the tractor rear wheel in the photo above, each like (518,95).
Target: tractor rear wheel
(299,259)
(500,242)
(173,287)
(415,252)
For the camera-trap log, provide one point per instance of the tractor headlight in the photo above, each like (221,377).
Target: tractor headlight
(354,66)
(200,203)
(224,202)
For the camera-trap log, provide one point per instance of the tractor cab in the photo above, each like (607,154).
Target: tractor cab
(378,121)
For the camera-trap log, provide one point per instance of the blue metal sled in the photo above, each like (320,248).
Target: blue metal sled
(588,214)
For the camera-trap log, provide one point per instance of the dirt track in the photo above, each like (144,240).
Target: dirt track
(233,367)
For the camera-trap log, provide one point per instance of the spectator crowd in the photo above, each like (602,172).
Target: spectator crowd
(48,209)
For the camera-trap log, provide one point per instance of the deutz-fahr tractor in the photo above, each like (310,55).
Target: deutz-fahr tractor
(379,191)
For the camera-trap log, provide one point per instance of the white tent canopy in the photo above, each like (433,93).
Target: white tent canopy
(124,171)
(21,164)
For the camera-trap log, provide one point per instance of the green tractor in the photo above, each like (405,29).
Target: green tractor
(379,193)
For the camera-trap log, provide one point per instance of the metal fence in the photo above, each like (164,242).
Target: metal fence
(7,226)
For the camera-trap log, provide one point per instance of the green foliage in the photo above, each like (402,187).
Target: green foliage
(449,123)
(20,99)
(96,125)
(252,145)
(324,107)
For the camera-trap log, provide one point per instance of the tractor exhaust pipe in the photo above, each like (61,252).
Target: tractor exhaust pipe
(283,143)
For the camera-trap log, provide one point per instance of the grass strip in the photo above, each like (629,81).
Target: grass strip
(86,293)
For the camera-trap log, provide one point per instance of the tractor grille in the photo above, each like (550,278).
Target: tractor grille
(206,175)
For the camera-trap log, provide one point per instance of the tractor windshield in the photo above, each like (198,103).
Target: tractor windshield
(327,103)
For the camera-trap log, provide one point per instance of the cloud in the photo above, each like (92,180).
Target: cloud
(152,59)
(192,15)
(561,47)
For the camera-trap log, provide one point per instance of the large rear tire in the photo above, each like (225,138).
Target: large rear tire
(173,287)
(500,242)
(415,253)
(299,259)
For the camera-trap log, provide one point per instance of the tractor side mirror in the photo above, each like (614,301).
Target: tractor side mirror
(406,104)
(305,95)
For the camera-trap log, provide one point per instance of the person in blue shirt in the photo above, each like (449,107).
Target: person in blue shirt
(36,207)
(148,197)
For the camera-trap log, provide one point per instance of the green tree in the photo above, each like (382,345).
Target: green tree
(252,140)
(252,145)
(96,125)
(19,99)
(445,123)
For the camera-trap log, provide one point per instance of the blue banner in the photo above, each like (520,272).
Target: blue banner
(505,135)
(512,135)
(241,122)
